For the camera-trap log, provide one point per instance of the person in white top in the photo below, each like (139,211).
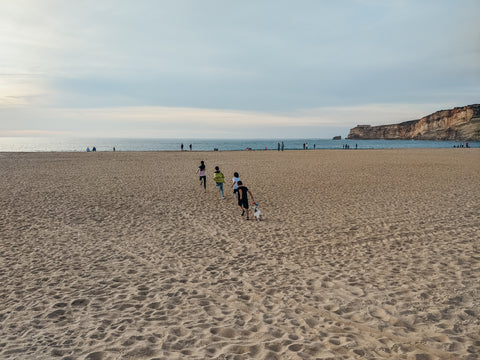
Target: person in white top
(203,175)
(235,180)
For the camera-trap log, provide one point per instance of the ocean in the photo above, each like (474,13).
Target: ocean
(39,144)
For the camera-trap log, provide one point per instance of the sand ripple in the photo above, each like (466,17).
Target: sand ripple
(368,254)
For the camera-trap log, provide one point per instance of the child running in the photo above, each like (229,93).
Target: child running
(219,179)
(235,180)
(203,175)
(243,198)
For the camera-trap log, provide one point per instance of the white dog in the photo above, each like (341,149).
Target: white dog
(258,214)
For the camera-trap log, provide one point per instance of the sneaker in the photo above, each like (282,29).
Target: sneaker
(243,213)
(247,218)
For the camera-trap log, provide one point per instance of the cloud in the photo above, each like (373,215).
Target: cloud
(34,133)
(203,123)
(148,68)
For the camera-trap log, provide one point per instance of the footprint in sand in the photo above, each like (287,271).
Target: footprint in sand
(224,332)
(80,302)
(380,314)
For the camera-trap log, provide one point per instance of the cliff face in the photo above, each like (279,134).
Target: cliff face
(462,123)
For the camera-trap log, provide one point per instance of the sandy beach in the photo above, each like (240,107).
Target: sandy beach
(369,254)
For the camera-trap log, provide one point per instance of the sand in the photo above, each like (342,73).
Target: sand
(362,254)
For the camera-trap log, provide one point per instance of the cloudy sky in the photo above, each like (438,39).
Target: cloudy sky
(232,69)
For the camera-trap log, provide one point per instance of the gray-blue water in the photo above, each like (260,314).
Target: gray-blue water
(37,144)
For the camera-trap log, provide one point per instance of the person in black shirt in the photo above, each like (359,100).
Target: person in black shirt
(243,198)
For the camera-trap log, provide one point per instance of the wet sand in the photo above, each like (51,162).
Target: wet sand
(362,254)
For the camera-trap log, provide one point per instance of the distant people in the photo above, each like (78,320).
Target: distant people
(243,198)
(88,149)
(94,149)
(190,147)
(356,146)
(181,147)
(314,146)
(304,146)
(114,149)
(219,179)
(466,145)
(278,147)
(235,180)
(203,175)
(283,145)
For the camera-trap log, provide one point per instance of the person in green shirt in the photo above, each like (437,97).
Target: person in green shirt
(219,179)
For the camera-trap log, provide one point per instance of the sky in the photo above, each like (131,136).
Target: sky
(232,69)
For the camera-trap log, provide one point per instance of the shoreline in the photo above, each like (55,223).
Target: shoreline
(107,145)
(231,151)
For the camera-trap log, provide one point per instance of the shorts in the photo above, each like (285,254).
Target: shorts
(243,203)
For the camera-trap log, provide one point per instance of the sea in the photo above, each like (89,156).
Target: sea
(42,144)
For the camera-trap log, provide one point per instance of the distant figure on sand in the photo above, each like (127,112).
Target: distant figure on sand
(88,149)
(181,147)
(203,175)
(243,198)
(235,180)
(190,147)
(219,179)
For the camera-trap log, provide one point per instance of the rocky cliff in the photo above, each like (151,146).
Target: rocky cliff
(461,123)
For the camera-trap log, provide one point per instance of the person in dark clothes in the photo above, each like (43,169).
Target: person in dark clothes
(243,198)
